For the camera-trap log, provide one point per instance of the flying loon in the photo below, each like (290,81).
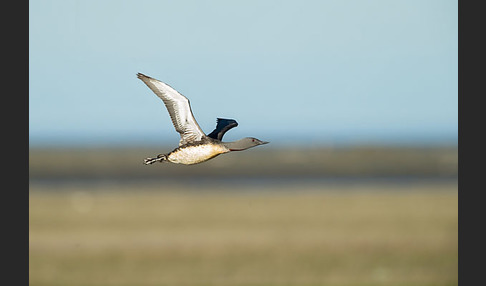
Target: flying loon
(194,146)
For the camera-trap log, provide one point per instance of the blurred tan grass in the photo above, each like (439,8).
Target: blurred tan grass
(348,235)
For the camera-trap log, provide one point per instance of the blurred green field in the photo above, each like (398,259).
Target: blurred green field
(314,235)
(123,163)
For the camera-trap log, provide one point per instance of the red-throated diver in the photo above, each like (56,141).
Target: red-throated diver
(195,146)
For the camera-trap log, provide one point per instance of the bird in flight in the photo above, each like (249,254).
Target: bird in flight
(194,146)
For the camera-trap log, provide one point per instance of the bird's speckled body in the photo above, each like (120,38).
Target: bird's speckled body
(196,153)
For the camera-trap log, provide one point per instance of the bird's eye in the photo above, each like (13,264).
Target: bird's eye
(252,140)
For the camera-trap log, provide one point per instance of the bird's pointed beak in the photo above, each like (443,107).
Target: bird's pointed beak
(264,142)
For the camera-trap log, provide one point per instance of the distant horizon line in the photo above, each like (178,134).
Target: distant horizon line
(276,140)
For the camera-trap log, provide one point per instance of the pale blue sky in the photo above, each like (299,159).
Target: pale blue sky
(336,71)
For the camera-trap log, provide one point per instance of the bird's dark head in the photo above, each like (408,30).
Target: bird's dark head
(254,142)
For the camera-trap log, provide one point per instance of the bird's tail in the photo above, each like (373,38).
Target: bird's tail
(159,158)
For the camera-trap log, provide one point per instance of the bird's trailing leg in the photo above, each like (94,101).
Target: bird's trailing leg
(159,158)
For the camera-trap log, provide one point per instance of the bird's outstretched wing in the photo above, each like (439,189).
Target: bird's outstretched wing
(222,126)
(179,109)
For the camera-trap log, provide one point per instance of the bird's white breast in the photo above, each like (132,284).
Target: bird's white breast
(196,154)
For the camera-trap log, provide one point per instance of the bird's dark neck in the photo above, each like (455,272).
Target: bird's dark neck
(238,145)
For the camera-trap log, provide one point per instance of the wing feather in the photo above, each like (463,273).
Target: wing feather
(222,126)
(179,109)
